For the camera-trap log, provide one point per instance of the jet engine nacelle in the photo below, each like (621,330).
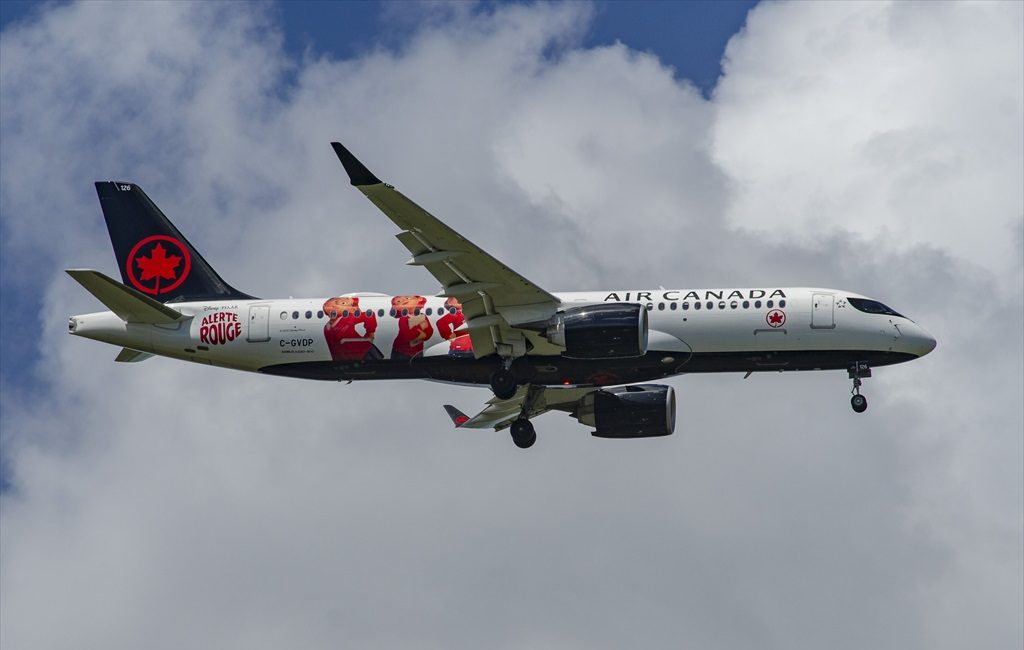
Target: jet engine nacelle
(644,411)
(602,331)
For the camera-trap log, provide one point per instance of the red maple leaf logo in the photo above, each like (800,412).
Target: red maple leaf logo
(158,258)
(775,317)
(159,264)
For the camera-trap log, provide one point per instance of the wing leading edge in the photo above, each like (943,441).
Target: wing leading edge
(494,298)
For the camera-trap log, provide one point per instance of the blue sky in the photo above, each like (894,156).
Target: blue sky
(690,36)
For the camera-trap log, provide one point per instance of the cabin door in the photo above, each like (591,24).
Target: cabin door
(259,323)
(823,311)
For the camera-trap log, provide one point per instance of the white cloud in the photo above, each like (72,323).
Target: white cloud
(161,505)
(898,122)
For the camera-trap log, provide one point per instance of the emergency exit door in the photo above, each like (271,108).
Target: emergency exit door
(259,323)
(823,311)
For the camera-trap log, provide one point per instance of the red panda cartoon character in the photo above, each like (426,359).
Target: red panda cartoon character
(413,326)
(453,319)
(350,330)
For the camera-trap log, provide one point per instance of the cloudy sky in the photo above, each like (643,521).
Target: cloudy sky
(877,147)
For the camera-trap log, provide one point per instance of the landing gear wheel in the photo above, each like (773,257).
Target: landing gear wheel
(503,383)
(523,433)
(856,372)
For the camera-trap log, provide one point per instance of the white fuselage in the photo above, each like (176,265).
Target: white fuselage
(754,326)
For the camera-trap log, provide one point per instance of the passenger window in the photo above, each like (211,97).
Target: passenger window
(309,315)
(770,304)
(405,312)
(672,306)
(393,312)
(650,306)
(710,305)
(416,312)
(757,304)
(295,315)
(746,304)
(429,311)
(733,305)
(380,312)
(721,305)
(356,313)
(686,306)
(344,313)
(320,314)
(782,303)
(696,305)
(284,315)
(661,306)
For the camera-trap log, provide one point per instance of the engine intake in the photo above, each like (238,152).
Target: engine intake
(644,411)
(601,331)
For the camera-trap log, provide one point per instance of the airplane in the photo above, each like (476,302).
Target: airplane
(583,353)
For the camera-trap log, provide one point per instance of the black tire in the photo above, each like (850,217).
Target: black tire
(523,433)
(503,383)
(859,403)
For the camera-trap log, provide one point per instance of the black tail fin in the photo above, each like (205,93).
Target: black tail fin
(154,257)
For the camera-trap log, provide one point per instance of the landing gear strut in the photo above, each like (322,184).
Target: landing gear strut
(523,433)
(856,372)
(503,383)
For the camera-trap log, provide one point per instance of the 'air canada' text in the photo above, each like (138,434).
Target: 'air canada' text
(701,294)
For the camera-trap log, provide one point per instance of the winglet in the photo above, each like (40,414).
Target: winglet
(458,417)
(357,171)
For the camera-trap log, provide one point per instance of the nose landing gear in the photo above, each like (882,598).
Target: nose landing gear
(856,372)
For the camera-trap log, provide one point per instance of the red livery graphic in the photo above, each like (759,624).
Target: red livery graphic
(776,318)
(413,326)
(350,330)
(219,328)
(460,345)
(158,264)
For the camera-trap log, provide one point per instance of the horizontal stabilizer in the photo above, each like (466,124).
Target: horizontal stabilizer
(128,355)
(130,305)
(458,417)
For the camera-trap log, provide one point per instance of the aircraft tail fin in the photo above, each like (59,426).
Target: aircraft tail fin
(153,256)
(130,305)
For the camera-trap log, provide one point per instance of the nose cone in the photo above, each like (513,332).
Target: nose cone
(919,341)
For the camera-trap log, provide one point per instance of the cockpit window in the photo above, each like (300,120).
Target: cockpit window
(872,307)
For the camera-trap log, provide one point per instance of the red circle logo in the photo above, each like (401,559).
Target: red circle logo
(776,318)
(158,264)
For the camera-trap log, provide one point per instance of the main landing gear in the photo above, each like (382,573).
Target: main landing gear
(856,372)
(503,383)
(523,433)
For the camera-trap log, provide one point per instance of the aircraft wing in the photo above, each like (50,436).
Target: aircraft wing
(495,299)
(500,413)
